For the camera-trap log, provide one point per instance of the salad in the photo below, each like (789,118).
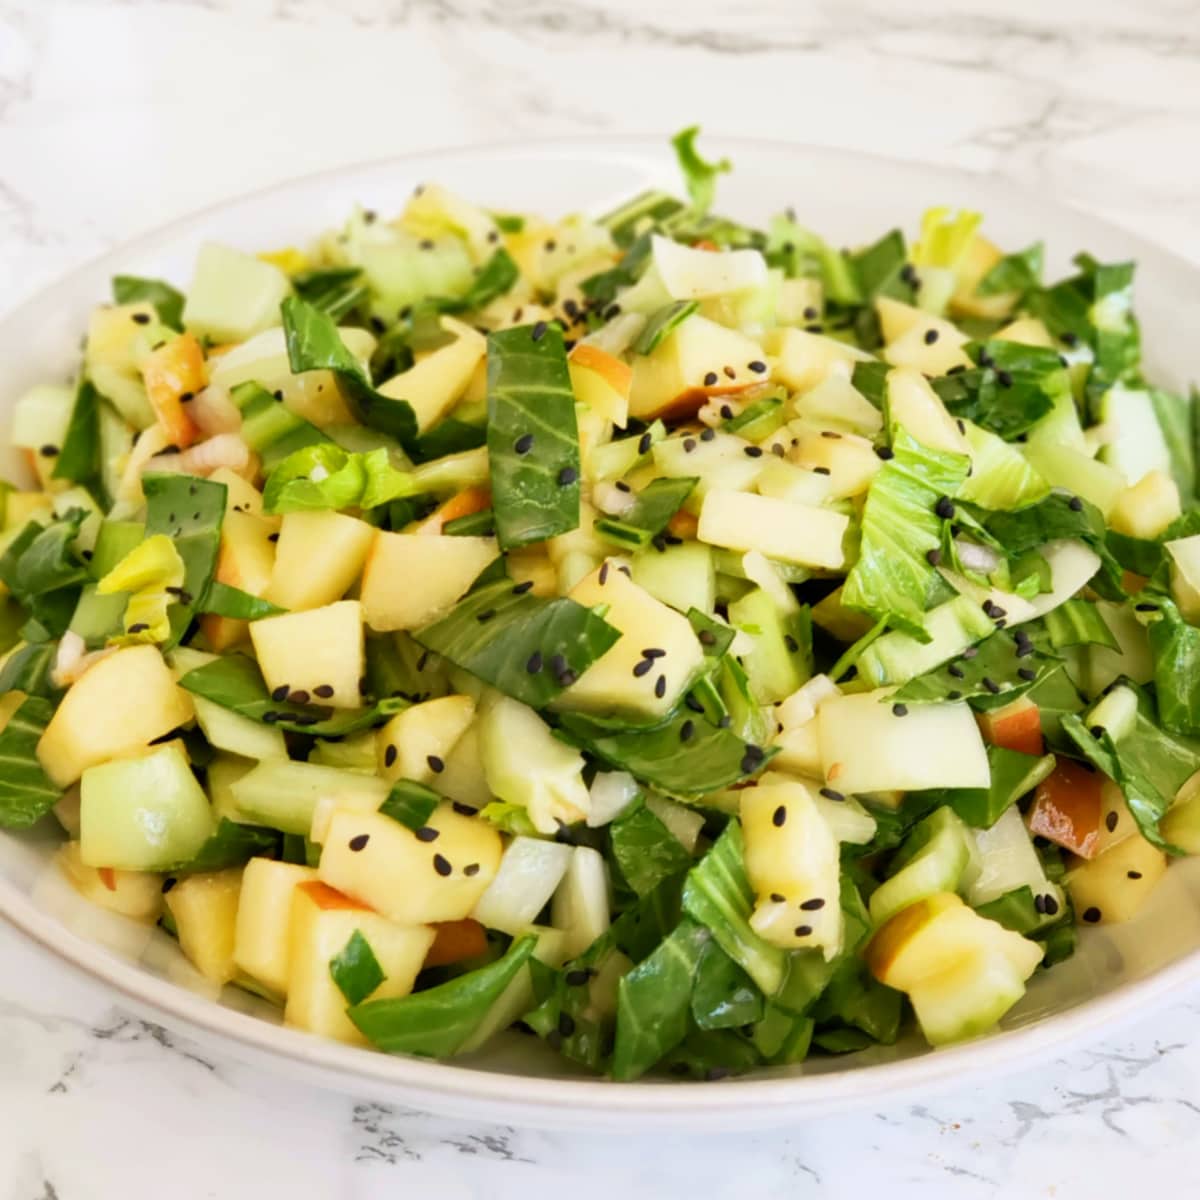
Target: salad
(696,646)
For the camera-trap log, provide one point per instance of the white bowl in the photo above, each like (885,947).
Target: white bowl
(848,198)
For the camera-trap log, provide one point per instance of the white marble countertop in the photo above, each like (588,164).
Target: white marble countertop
(116,115)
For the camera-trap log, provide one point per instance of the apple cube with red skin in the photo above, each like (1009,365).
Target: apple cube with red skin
(1016,726)
(1067,808)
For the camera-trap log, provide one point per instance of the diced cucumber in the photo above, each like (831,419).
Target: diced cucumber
(1006,860)
(776,664)
(404,270)
(682,576)
(233,295)
(227,730)
(143,814)
(284,795)
(1075,470)
(97,618)
(1137,445)
(931,860)
(1115,713)
(897,657)
(616,458)
(40,417)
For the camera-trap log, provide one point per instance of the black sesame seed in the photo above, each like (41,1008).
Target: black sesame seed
(810,313)
(441,865)
(280,693)
(643,668)
(1039,903)
(485,616)
(645,442)
(524,443)
(693,703)
(686,730)
(1110,821)
(707,435)
(168,884)
(756,366)
(955,670)
(933,557)
(1004,379)
(471,869)
(724,723)
(390,755)
(1097,731)
(931,336)
(359,842)
(660,686)
(566,678)
(778,897)
(830,794)
(710,379)
(803,930)
(49,451)
(1075,504)
(436,765)
(991,685)
(779,816)
(753,452)
(141,318)
(654,652)
(427,834)
(300,696)
(1091,915)
(1027,673)
(1049,905)
(558,664)
(812,905)
(622,486)
(730,373)
(1145,607)
(1133,874)
(944,508)
(611,311)
(577,977)
(954,695)
(521,588)
(566,1024)
(726,411)
(689,444)
(1024,649)
(567,476)
(790,642)
(900,710)
(138,627)
(1070,339)
(272,718)
(885,452)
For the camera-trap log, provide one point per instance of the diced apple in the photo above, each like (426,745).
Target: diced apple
(896,318)
(835,403)
(383,864)
(205,909)
(245,560)
(1067,808)
(795,533)
(611,682)
(433,385)
(929,746)
(462,504)
(133,894)
(319,652)
(601,381)
(264,919)
(1114,885)
(691,274)
(1148,507)
(804,359)
(674,380)
(322,924)
(454,941)
(242,496)
(918,409)
(416,743)
(799,750)
(317,558)
(1015,726)
(120,705)
(411,579)
(848,462)
(1026,331)
(932,346)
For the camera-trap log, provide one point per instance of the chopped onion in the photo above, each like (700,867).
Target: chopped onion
(612,500)
(977,558)
(214,412)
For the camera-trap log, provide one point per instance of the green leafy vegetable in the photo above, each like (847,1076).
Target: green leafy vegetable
(28,670)
(1013,775)
(652,509)
(646,850)
(410,803)
(231,845)
(496,277)
(1017,272)
(1148,764)
(224,600)
(26,794)
(42,572)
(1177,418)
(168,303)
(324,476)
(717,894)
(723,995)
(79,456)
(532,439)
(711,757)
(314,344)
(1078,623)
(653,1001)
(235,682)
(1175,649)
(893,576)
(435,1023)
(496,633)
(356,970)
(1001,670)
(699,175)
(335,291)
(662,323)
(190,512)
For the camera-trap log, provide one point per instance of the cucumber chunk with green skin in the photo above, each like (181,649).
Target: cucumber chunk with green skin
(143,814)
(951,627)
(932,860)
(775,664)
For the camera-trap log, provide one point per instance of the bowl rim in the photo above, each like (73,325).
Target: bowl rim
(543,1101)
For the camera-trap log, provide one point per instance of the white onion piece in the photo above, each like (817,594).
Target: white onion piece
(214,412)
(977,558)
(224,450)
(612,500)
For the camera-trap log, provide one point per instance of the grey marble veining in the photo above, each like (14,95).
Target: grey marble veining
(114,118)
